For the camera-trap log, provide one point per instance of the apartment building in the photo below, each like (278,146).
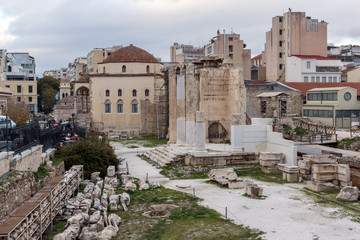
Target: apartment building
(75,68)
(52,73)
(98,55)
(231,46)
(305,68)
(293,33)
(181,53)
(19,77)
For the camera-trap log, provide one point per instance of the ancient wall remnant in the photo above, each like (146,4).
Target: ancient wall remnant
(211,85)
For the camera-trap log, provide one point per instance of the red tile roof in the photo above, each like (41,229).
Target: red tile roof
(304,86)
(131,54)
(257,57)
(348,70)
(314,57)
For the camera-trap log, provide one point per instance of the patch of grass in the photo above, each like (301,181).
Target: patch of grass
(188,221)
(346,142)
(58,228)
(257,174)
(331,195)
(81,187)
(41,173)
(56,161)
(149,141)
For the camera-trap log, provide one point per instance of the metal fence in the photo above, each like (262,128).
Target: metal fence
(23,137)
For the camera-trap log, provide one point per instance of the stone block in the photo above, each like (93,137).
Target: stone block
(345,184)
(253,190)
(318,177)
(324,168)
(270,156)
(319,158)
(291,177)
(238,183)
(305,172)
(111,171)
(320,187)
(348,194)
(274,170)
(269,163)
(305,165)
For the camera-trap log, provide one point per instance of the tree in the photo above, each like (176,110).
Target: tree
(18,112)
(94,154)
(47,88)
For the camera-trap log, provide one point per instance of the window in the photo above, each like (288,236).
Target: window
(280,55)
(322,96)
(334,79)
(19,89)
(104,70)
(19,99)
(280,66)
(280,43)
(30,89)
(280,32)
(119,93)
(323,79)
(231,39)
(107,106)
(308,64)
(230,48)
(134,93)
(317,79)
(7,86)
(306,79)
(318,113)
(30,99)
(330,79)
(147,69)
(231,56)
(147,92)
(313,79)
(123,68)
(263,106)
(283,107)
(280,19)
(134,106)
(120,106)
(107,93)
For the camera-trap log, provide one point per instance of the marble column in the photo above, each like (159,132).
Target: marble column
(237,132)
(200,131)
(180,106)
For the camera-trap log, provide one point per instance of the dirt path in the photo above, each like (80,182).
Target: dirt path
(286,213)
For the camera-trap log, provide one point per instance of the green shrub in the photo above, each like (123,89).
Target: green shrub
(40,173)
(94,154)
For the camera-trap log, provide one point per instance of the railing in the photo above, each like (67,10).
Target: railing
(312,127)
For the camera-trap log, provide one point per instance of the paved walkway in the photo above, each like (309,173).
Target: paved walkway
(286,213)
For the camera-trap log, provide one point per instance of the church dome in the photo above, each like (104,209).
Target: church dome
(130,54)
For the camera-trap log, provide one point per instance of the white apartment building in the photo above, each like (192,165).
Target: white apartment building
(306,68)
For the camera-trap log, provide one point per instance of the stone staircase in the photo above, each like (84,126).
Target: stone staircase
(165,155)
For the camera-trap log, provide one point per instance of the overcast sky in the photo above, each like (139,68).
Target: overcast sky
(57,31)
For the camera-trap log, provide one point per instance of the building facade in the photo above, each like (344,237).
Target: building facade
(351,75)
(336,107)
(181,53)
(258,70)
(98,55)
(212,85)
(19,78)
(293,33)
(123,94)
(304,68)
(231,46)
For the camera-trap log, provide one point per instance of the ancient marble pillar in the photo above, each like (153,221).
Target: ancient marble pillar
(200,131)
(191,102)
(180,106)
(237,132)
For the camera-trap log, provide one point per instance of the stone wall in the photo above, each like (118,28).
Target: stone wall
(15,188)
(5,162)
(29,160)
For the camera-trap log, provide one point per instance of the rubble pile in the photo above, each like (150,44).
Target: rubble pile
(327,174)
(98,198)
(226,177)
(269,162)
